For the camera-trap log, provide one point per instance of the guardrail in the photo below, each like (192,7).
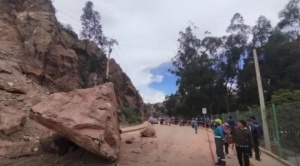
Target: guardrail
(134,128)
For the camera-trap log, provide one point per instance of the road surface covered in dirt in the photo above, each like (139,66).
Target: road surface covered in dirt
(173,146)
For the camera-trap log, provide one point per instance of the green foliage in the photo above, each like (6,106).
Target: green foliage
(290,18)
(91,27)
(218,72)
(69,29)
(91,65)
(288,123)
(132,116)
(285,96)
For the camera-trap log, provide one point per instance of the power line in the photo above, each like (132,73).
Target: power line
(69,16)
(153,48)
(78,22)
(123,55)
(121,58)
(68,21)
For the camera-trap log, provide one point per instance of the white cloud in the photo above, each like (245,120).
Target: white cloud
(139,25)
(151,95)
(157,78)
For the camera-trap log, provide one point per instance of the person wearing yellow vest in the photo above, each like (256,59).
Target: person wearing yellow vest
(219,140)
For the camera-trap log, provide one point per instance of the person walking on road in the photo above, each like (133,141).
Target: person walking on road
(227,141)
(255,128)
(195,124)
(231,123)
(219,140)
(242,139)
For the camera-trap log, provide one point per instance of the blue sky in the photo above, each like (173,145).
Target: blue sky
(168,82)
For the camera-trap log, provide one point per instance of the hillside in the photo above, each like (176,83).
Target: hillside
(39,56)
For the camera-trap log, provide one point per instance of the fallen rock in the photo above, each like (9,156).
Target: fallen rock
(10,84)
(4,146)
(11,89)
(4,68)
(28,138)
(129,140)
(11,120)
(87,117)
(149,131)
(23,149)
(5,71)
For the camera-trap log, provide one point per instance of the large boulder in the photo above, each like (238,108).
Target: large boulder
(149,131)
(87,117)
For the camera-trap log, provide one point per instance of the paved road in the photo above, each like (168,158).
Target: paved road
(174,146)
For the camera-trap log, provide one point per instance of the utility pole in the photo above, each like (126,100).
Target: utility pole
(110,43)
(262,103)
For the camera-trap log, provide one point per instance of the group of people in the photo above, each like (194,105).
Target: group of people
(243,135)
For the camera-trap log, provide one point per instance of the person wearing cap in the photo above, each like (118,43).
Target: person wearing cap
(219,140)
(227,141)
(242,139)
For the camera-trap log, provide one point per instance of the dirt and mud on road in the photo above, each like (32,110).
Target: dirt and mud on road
(173,146)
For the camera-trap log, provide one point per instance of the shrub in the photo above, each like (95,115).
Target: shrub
(132,115)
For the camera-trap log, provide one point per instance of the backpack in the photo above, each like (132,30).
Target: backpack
(258,128)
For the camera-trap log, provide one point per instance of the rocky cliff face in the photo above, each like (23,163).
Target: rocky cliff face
(39,48)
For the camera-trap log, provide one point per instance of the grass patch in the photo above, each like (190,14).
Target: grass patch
(132,115)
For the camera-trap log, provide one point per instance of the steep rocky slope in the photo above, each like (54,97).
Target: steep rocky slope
(38,48)
(39,57)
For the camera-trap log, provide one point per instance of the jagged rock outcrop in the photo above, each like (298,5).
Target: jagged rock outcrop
(87,117)
(39,48)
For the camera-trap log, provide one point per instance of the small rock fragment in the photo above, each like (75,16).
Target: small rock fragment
(10,83)
(129,140)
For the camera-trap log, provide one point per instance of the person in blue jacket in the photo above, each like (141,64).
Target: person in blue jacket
(195,124)
(219,140)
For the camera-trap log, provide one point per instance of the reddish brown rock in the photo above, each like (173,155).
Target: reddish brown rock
(87,117)
(149,131)
(5,146)
(23,149)
(11,120)
(129,140)
(52,56)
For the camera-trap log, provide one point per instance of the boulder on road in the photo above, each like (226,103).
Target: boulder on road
(149,131)
(87,117)
(129,140)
